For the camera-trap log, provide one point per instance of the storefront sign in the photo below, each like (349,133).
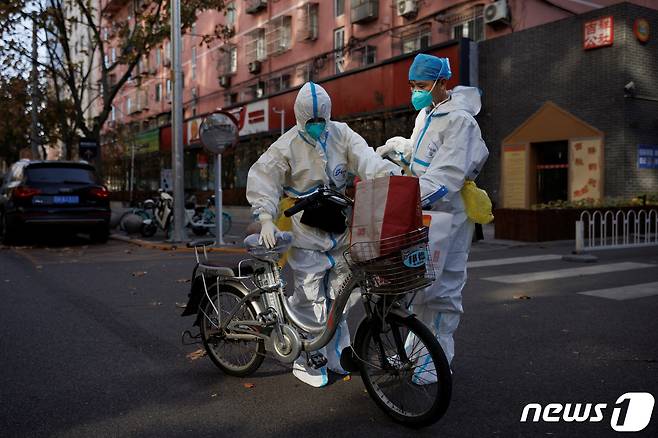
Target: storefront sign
(585,169)
(598,33)
(647,156)
(515,176)
(252,118)
(642,30)
(147,142)
(166,179)
(193,131)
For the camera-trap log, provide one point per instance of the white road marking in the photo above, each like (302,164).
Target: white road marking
(512,260)
(570,272)
(625,292)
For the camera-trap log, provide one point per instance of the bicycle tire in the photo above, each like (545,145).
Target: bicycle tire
(438,402)
(211,340)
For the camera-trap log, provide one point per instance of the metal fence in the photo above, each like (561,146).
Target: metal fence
(616,229)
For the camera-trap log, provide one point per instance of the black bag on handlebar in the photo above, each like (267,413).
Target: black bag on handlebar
(325,215)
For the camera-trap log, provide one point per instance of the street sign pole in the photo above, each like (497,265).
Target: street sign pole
(219,219)
(179,234)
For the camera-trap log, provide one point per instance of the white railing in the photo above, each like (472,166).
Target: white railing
(616,229)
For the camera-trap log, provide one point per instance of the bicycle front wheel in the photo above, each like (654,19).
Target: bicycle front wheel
(404,370)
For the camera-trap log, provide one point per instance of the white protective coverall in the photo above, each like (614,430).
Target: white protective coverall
(294,166)
(444,150)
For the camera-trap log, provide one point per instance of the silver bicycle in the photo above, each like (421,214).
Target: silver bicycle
(243,315)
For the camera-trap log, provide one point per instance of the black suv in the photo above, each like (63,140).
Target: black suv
(62,193)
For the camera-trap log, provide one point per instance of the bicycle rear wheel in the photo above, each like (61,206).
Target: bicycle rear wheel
(404,369)
(236,358)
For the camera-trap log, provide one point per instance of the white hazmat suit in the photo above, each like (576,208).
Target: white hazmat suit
(445,149)
(294,166)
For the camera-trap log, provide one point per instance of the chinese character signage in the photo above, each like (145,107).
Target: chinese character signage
(598,33)
(585,169)
(647,156)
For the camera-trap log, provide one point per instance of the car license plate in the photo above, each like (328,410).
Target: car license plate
(66,199)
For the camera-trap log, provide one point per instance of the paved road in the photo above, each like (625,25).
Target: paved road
(89,349)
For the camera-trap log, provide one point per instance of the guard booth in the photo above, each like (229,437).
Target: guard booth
(552,156)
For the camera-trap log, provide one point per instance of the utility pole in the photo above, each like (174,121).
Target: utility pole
(179,234)
(34,131)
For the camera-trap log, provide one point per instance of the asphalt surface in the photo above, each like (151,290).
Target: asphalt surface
(91,347)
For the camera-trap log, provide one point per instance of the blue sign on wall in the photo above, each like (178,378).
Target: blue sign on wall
(647,156)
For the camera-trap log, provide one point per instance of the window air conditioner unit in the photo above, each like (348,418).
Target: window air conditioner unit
(254,6)
(254,67)
(365,12)
(407,8)
(496,13)
(225,81)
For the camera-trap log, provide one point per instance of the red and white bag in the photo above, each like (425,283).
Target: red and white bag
(385,208)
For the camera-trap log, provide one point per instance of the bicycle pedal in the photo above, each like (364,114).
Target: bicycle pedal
(316,360)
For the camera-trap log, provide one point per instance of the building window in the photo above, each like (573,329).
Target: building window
(129,106)
(114,55)
(113,114)
(230,14)
(307,26)
(416,39)
(158,56)
(367,55)
(279,83)
(278,35)
(339,7)
(255,45)
(472,28)
(233,59)
(194,62)
(169,88)
(339,44)
(158,92)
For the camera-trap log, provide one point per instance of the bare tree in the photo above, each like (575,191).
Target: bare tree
(70,71)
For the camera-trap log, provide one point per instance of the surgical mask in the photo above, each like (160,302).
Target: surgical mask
(422,98)
(315,129)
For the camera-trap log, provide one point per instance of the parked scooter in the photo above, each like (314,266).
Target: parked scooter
(162,212)
(203,220)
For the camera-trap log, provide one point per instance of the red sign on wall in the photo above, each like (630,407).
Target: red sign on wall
(598,33)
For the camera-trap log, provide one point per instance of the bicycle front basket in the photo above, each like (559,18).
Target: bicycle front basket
(396,265)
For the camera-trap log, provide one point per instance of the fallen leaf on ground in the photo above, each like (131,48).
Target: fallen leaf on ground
(183,280)
(248,385)
(127,251)
(213,395)
(197,354)
(139,273)
(521,297)
(155,303)
(181,305)
(347,378)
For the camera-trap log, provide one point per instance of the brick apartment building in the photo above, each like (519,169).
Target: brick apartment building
(360,51)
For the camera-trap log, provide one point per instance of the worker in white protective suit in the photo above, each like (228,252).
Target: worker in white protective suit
(315,152)
(445,150)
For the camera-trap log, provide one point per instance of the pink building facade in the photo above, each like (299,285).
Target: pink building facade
(279,45)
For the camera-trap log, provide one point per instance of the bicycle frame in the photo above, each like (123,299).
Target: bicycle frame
(273,297)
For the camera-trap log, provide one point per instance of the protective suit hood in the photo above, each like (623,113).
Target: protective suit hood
(312,101)
(462,98)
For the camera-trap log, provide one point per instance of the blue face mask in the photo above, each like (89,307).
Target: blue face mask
(422,98)
(315,129)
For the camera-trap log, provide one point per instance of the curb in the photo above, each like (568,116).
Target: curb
(171,246)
